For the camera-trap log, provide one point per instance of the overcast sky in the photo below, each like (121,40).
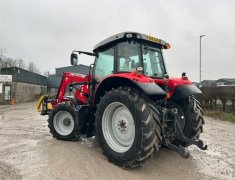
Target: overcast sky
(46,31)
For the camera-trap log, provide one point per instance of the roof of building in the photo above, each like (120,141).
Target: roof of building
(54,80)
(232,80)
(24,76)
(208,80)
(79,69)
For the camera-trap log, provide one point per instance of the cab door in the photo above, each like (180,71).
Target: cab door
(104,64)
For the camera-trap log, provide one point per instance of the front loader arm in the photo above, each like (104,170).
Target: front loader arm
(67,79)
(46,103)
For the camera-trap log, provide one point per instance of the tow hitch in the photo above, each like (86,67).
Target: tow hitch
(179,135)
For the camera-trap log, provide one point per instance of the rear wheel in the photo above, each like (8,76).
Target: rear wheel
(194,120)
(118,127)
(65,123)
(125,126)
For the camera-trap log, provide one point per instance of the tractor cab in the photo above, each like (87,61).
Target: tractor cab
(125,52)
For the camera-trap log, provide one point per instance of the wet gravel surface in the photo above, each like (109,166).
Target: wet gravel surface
(27,151)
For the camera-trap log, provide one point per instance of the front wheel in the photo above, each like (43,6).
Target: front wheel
(126,129)
(65,123)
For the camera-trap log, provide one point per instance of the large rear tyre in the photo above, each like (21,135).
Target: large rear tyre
(125,127)
(194,120)
(65,123)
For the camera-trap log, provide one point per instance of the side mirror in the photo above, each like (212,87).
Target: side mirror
(74,59)
(166,76)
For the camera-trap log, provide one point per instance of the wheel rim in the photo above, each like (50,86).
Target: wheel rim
(118,127)
(63,123)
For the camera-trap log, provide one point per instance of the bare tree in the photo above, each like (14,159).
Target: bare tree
(2,53)
(21,63)
(8,62)
(46,73)
(2,56)
(32,67)
(11,62)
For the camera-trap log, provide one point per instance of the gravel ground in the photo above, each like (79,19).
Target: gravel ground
(27,151)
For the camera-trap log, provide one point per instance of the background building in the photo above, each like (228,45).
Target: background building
(225,82)
(20,85)
(23,85)
(219,82)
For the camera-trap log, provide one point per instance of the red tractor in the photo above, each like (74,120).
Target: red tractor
(127,101)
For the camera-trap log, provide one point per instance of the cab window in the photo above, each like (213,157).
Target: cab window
(128,56)
(153,63)
(104,64)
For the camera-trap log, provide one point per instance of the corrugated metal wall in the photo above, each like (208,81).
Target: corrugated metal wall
(24,76)
(80,69)
(54,81)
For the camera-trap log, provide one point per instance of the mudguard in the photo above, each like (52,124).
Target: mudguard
(151,88)
(185,90)
(145,84)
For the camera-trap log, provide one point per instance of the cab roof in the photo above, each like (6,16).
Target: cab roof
(130,35)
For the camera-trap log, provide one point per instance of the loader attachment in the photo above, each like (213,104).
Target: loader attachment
(43,105)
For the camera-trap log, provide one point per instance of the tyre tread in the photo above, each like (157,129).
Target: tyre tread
(148,128)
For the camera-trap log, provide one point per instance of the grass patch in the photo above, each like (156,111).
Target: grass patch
(225,116)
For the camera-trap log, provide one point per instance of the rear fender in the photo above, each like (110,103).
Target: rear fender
(184,91)
(141,82)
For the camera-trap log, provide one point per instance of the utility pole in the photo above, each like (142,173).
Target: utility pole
(200,61)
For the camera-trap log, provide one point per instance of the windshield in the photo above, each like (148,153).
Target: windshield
(153,62)
(129,57)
